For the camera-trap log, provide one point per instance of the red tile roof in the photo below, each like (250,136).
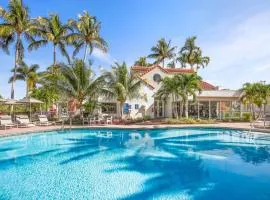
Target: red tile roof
(179,70)
(144,70)
(208,86)
(166,70)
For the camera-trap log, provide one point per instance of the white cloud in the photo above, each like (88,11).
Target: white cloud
(103,57)
(241,54)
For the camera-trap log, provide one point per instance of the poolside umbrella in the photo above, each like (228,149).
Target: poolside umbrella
(30,100)
(11,103)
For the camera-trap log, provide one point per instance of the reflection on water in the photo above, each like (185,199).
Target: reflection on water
(170,164)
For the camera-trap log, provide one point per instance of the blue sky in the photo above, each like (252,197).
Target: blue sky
(234,34)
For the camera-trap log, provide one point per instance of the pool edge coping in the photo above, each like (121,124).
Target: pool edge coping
(137,127)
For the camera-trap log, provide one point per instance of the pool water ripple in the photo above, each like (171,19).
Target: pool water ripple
(188,163)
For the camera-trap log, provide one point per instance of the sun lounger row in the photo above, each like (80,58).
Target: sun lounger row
(99,120)
(22,121)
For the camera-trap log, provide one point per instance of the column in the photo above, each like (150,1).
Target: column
(209,109)
(220,110)
(231,110)
(241,110)
(198,107)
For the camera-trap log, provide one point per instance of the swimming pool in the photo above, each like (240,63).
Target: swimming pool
(188,163)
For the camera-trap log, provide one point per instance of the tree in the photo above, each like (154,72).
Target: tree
(46,94)
(87,35)
(80,82)
(28,74)
(122,84)
(16,25)
(52,30)
(142,61)
(191,55)
(162,51)
(180,86)
(255,94)
(189,86)
(172,64)
(170,87)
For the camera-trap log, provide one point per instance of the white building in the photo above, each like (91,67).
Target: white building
(211,102)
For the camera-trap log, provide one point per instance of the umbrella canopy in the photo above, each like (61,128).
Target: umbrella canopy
(30,100)
(10,102)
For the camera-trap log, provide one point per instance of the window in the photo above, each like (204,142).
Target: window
(136,106)
(157,78)
(108,107)
(126,108)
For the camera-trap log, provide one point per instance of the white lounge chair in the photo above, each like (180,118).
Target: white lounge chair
(6,122)
(24,121)
(43,121)
(99,119)
(89,120)
(109,120)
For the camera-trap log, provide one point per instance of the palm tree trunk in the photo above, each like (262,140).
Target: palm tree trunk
(54,54)
(186,108)
(15,68)
(27,89)
(175,107)
(163,63)
(85,53)
(121,110)
(181,109)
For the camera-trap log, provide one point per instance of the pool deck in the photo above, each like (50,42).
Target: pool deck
(21,131)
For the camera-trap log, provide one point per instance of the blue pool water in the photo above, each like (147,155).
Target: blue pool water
(189,163)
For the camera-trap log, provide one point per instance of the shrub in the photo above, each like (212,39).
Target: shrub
(189,121)
(246,117)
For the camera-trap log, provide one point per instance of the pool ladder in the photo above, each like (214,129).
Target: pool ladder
(63,123)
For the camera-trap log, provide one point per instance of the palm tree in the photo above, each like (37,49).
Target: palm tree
(28,74)
(170,87)
(16,24)
(172,64)
(191,55)
(189,86)
(122,84)
(79,82)
(162,51)
(52,30)
(87,35)
(255,94)
(142,61)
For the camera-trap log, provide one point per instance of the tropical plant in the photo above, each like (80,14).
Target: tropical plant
(52,30)
(87,35)
(28,74)
(191,55)
(142,61)
(180,87)
(16,25)
(122,84)
(255,94)
(162,51)
(170,87)
(189,86)
(172,64)
(46,94)
(80,83)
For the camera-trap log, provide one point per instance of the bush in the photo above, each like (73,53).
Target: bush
(189,121)
(246,117)
(146,117)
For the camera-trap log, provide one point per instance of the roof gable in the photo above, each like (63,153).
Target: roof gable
(144,70)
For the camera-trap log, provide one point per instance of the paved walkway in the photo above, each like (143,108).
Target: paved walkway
(19,131)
